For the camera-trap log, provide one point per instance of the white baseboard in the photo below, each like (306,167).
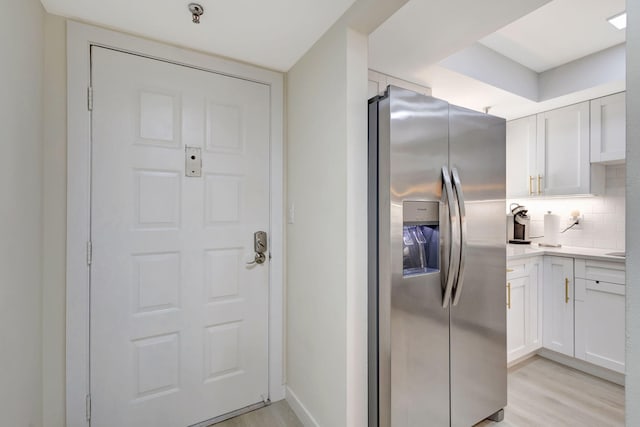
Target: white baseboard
(299,409)
(596,371)
(278,393)
(520,359)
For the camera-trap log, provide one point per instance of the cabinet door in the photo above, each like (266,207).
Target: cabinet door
(608,133)
(521,157)
(563,150)
(600,323)
(534,325)
(517,313)
(558,305)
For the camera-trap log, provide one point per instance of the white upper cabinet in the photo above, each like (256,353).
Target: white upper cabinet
(608,133)
(521,157)
(563,151)
(551,153)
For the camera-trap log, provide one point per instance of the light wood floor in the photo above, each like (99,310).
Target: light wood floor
(542,393)
(275,415)
(545,393)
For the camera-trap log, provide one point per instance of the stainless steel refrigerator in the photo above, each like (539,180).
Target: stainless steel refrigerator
(437,262)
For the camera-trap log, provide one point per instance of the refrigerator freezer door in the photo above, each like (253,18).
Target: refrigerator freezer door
(412,354)
(478,321)
(419,324)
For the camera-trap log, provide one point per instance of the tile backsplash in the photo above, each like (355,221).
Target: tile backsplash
(603,216)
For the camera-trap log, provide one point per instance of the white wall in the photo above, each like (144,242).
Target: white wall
(21,48)
(54,222)
(378,83)
(356,238)
(633,213)
(603,224)
(316,250)
(486,65)
(601,68)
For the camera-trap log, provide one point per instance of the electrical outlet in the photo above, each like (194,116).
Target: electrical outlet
(579,219)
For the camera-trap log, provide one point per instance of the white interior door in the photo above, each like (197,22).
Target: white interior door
(179,321)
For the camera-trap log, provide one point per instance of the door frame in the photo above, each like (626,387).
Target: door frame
(80,37)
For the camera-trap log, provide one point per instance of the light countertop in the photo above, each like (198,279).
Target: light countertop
(525,251)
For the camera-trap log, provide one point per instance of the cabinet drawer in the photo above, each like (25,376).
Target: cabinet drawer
(586,285)
(517,269)
(603,271)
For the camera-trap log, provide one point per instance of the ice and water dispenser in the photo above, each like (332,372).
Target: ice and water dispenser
(421,238)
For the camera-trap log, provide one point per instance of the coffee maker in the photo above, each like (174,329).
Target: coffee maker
(518,224)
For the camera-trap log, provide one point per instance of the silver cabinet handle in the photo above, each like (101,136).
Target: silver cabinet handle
(457,290)
(454,233)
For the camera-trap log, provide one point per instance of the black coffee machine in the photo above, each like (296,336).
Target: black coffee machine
(518,224)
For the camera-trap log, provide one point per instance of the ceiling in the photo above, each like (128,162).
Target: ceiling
(273,34)
(559,32)
(423,32)
(556,33)
(539,34)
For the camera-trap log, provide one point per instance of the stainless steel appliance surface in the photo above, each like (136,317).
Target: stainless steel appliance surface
(437,257)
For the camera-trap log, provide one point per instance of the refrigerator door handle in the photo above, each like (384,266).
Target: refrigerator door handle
(457,290)
(454,238)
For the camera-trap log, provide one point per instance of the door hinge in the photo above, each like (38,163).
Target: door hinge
(89,252)
(90,98)
(88,407)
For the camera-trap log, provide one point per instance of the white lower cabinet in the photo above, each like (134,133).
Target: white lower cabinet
(523,302)
(575,307)
(558,319)
(600,313)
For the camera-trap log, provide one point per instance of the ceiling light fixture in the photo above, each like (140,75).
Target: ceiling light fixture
(619,21)
(196,12)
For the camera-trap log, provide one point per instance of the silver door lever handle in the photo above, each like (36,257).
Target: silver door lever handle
(258,259)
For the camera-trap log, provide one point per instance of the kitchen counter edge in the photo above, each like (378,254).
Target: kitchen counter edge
(515,252)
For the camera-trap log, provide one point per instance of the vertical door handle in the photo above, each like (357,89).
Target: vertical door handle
(509,295)
(539,184)
(566,290)
(531,185)
(454,235)
(457,289)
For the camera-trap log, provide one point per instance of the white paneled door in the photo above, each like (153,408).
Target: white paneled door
(179,320)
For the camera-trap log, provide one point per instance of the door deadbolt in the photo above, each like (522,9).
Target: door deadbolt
(260,242)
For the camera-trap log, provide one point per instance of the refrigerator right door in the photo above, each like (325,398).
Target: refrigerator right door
(478,315)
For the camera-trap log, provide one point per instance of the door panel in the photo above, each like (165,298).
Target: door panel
(558,317)
(521,157)
(563,149)
(517,302)
(178,320)
(478,322)
(419,335)
(599,323)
